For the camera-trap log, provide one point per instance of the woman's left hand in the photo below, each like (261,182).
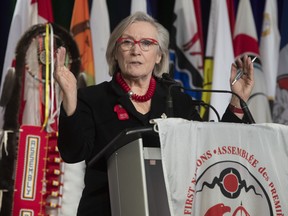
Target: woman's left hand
(243,86)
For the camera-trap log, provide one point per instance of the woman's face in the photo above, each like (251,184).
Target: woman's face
(136,63)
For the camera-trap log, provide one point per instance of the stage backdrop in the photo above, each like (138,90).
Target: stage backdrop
(224,168)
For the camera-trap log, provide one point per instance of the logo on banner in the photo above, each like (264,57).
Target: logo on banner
(223,179)
(234,188)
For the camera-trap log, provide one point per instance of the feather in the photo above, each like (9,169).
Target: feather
(31,58)
(7,87)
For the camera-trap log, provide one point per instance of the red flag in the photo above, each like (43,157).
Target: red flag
(246,42)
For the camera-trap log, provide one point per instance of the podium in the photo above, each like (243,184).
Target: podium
(206,169)
(136,181)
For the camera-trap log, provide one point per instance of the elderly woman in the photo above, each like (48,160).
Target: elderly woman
(91,117)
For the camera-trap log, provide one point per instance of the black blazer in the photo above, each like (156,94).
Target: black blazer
(95,123)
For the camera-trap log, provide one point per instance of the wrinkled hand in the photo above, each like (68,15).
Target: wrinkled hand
(244,86)
(67,82)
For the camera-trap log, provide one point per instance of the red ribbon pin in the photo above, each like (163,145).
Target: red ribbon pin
(121,112)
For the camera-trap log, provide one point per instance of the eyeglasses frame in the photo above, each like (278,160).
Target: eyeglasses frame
(154,41)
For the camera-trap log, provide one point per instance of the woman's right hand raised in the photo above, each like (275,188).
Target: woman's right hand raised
(67,82)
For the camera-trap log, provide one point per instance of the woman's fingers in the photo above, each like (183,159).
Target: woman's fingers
(61,53)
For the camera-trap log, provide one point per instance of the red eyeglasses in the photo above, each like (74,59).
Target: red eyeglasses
(145,44)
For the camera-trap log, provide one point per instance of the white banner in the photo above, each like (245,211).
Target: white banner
(224,168)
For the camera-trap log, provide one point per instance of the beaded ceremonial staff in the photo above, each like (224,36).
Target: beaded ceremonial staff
(34,105)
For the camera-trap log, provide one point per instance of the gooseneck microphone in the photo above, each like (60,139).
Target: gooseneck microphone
(174,84)
(169,102)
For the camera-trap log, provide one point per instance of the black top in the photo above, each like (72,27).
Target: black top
(95,123)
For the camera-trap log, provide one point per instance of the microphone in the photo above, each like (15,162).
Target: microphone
(169,102)
(243,104)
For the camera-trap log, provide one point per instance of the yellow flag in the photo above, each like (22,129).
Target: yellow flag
(207,84)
